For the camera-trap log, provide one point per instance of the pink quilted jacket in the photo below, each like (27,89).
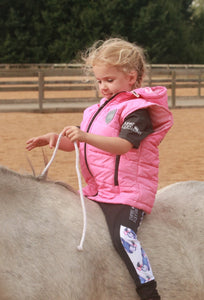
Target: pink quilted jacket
(131,178)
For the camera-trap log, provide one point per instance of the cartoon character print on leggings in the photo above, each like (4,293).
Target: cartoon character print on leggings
(136,254)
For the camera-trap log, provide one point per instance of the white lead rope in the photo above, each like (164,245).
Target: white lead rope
(53,155)
(80,246)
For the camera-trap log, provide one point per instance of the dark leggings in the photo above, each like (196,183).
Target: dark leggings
(123,222)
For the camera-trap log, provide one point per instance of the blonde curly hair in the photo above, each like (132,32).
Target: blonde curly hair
(119,53)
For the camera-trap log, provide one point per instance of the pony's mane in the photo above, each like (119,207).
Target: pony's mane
(6,171)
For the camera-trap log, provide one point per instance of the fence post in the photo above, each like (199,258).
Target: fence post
(150,76)
(40,90)
(173,90)
(199,84)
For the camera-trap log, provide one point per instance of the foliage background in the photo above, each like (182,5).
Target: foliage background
(54,31)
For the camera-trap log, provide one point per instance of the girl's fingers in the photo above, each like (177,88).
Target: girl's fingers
(29,141)
(29,144)
(64,131)
(68,130)
(33,143)
(29,147)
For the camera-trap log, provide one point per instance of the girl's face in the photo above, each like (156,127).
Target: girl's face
(111,80)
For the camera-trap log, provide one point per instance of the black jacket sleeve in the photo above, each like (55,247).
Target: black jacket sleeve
(136,127)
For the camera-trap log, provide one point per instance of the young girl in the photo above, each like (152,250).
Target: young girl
(118,140)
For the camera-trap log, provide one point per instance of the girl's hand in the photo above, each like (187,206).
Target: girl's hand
(74,134)
(115,145)
(43,140)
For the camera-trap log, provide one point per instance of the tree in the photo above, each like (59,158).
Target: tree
(54,31)
(165,31)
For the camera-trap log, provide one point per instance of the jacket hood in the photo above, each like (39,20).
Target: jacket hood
(156,94)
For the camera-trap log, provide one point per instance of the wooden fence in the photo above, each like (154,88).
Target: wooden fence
(64,87)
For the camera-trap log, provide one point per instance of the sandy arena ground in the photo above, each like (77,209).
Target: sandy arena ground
(181,152)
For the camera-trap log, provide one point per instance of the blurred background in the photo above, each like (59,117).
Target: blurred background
(55,31)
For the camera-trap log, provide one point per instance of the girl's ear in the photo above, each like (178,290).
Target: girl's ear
(132,77)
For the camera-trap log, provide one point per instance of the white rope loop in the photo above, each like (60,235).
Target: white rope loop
(80,246)
(53,155)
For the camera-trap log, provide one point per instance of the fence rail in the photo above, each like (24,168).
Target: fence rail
(65,87)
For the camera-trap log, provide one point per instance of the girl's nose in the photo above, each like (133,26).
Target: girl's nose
(103,86)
